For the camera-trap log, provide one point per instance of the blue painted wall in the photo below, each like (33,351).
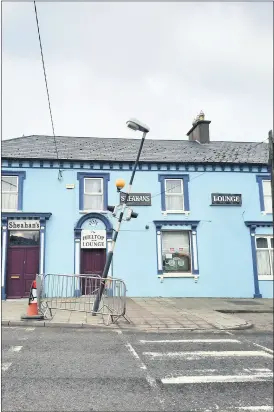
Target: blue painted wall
(224,247)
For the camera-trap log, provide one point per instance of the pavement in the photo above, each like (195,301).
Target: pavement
(154,314)
(102,369)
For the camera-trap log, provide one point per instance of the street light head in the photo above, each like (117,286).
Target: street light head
(136,125)
(120,183)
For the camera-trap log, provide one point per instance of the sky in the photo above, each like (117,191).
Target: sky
(159,62)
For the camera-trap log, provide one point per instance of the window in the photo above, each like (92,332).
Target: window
(267,195)
(264,183)
(264,251)
(93,194)
(174,192)
(9,192)
(26,238)
(93,191)
(176,251)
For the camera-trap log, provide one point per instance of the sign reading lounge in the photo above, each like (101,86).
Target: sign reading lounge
(93,239)
(19,224)
(225,199)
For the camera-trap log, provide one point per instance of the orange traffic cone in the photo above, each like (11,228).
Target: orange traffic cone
(32,311)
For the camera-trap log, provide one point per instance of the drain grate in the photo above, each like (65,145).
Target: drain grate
(244,302)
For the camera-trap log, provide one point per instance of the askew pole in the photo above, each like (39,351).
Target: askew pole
(271,165)
(116,231)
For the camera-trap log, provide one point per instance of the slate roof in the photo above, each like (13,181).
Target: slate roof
(120,149)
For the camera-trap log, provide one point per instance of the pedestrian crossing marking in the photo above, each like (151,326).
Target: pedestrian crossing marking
(192,341)
(218,378)
(206,354)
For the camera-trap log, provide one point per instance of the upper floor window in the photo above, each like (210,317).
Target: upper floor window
(265,193)
(93,194)
(264,251)
(12,190)
(174,191)
(93,191)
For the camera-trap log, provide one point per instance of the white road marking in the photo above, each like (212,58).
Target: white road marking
(151,381)
(29,329)
(16,348)
(255,408)
(5,366)
(205,354)
(217,378)
(264,348)
(192,341)
(257,369)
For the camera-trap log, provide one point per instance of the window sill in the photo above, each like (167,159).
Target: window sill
(11,210)
(264,213)
(178,275)
(84,212)
(175,212)
(265,278)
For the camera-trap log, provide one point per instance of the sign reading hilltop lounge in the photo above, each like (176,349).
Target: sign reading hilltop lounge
(224,199)
(136,199)
(19,224)
(93,239)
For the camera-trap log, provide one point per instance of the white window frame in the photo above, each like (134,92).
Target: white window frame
(168,194)
(8,192)
(264,195)
(270,250)
(178,274)
(93,193)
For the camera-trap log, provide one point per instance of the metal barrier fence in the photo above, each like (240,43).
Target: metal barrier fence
(78,293)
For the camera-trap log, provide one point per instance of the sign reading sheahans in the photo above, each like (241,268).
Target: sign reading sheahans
(136,199)
(20,224)
(93,239)
(224,199)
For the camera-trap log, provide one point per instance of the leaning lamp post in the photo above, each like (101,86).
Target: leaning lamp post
(120,183)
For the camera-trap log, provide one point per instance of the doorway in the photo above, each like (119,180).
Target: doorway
(22,262)
(92,263)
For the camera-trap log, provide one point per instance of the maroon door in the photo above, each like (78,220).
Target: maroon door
(23,265)
(92,263)
(22,262)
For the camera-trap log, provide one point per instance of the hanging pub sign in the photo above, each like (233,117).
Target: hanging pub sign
(20,224)
(225,199)
(93,239)
(136,199)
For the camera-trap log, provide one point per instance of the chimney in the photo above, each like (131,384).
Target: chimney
(200,129)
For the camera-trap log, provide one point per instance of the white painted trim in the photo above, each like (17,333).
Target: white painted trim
(195,253)
(177,275)
(42,251)
(77,256)
(159,250)
(170,212)
(4,255)
(265,277)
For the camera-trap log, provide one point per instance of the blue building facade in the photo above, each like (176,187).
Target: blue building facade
(204,225)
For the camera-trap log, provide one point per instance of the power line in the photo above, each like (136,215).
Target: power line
(46,83)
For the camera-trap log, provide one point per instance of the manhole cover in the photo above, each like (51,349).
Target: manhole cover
(244,302)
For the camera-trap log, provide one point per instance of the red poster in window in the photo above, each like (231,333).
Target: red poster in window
(172,249)
(181,249)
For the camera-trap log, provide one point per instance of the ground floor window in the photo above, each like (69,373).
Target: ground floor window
(176,253)
(264,252)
